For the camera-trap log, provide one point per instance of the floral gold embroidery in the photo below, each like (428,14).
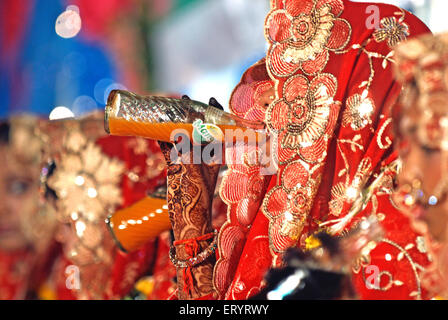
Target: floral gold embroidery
(303,34)
(358,112)
(305,111)
(287,205)
(302,118)
(392,30)
(338,194)
(86,180)
(243,185)
(251,106)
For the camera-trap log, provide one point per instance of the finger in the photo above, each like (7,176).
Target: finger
(165,145)
(214,103)
(213,171)
(210,174)
(166,148)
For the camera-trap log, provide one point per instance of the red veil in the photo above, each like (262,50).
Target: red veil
(334,88)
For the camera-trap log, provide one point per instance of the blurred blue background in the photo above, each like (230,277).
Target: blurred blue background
(194,47)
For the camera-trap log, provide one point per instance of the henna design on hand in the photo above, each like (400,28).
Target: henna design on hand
(189,196)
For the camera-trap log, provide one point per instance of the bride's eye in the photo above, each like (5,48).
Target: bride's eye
(411,130)
(429,150)
(18,187)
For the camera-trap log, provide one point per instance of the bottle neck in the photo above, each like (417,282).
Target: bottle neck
(216,116)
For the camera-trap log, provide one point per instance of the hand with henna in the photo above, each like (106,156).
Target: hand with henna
(189,196)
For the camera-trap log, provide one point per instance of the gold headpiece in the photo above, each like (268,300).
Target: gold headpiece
(86,182)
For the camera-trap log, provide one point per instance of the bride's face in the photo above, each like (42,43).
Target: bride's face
(18,197)
(420,164)
(425,165)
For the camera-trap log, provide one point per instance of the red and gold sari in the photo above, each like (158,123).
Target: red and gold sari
(334,88)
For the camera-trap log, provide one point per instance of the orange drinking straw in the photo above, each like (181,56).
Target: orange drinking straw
(134,226)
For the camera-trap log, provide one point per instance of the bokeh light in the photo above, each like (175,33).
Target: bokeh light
(68,24)
(84,104)
(61,112)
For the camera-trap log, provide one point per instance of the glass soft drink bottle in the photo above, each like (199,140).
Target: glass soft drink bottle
(159,118)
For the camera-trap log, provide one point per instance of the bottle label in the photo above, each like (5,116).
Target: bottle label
(206,132)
